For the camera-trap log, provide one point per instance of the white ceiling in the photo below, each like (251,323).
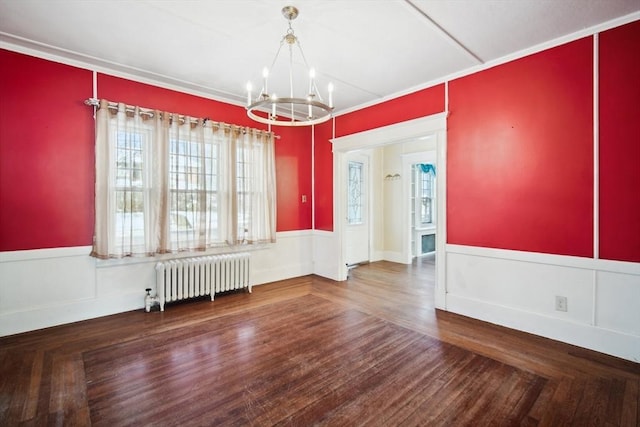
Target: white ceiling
(369,49)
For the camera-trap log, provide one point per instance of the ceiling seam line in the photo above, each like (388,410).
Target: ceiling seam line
(444,32)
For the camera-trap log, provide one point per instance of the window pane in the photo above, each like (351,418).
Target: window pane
(354,193)
(425,195)
(193,182)
(129,218)
(129,192)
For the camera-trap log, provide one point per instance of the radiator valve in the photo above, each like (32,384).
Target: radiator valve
(150,301)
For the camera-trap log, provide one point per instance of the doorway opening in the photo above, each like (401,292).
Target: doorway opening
(418,131)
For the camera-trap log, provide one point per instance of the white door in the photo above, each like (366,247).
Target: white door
(357,225)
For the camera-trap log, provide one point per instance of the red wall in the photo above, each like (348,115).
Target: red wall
(134,93)
(47,150)
(323,179)
(520,154)
(619,96)
(293,178)
(46,154)
(418,104)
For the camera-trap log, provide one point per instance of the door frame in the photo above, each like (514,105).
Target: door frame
(435,124)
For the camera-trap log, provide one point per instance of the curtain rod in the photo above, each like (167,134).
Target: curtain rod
(95,102)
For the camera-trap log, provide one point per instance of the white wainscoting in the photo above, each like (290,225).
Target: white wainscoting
(48,287)
(327,256)
(518,290)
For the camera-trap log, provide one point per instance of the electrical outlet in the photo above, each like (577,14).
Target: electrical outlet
(304,198)
(561,303)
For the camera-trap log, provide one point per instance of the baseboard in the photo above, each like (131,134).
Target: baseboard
(598,339)
(394,257)
(28,320)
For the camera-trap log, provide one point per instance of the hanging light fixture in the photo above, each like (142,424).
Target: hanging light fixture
(307,110)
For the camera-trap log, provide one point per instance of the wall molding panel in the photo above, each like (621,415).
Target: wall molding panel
(517,290)
(48,287)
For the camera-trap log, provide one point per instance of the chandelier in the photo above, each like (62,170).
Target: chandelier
(272,109)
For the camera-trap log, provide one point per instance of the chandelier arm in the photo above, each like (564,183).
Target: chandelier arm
(317,92)
(304,59)
(275,58)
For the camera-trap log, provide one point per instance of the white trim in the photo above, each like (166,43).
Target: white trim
(36,318)
(94,84)
(324,233)
(292,233)
(594,297)
(35,254)
(440,296)
(549,259)
(596,150)
(391,134)
(313,177)
(446,97)
(340,211)
(595,338)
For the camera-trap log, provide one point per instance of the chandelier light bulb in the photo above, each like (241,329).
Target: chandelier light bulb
(274,97)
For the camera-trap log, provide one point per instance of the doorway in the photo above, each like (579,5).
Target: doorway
(431,126)
(358,234)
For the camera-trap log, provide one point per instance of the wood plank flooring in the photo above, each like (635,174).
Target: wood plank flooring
(370,351)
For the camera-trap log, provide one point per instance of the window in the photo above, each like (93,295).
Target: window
(424,176)
(355,193)
(193,192)
(131,189)
(167,183)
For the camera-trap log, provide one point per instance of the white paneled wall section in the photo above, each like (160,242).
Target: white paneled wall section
(48,287)
(518,290)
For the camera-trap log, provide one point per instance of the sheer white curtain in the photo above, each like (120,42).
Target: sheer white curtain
(169,183)
(255,190)
(125,218)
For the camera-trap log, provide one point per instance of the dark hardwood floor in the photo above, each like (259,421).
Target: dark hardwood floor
(370,351)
